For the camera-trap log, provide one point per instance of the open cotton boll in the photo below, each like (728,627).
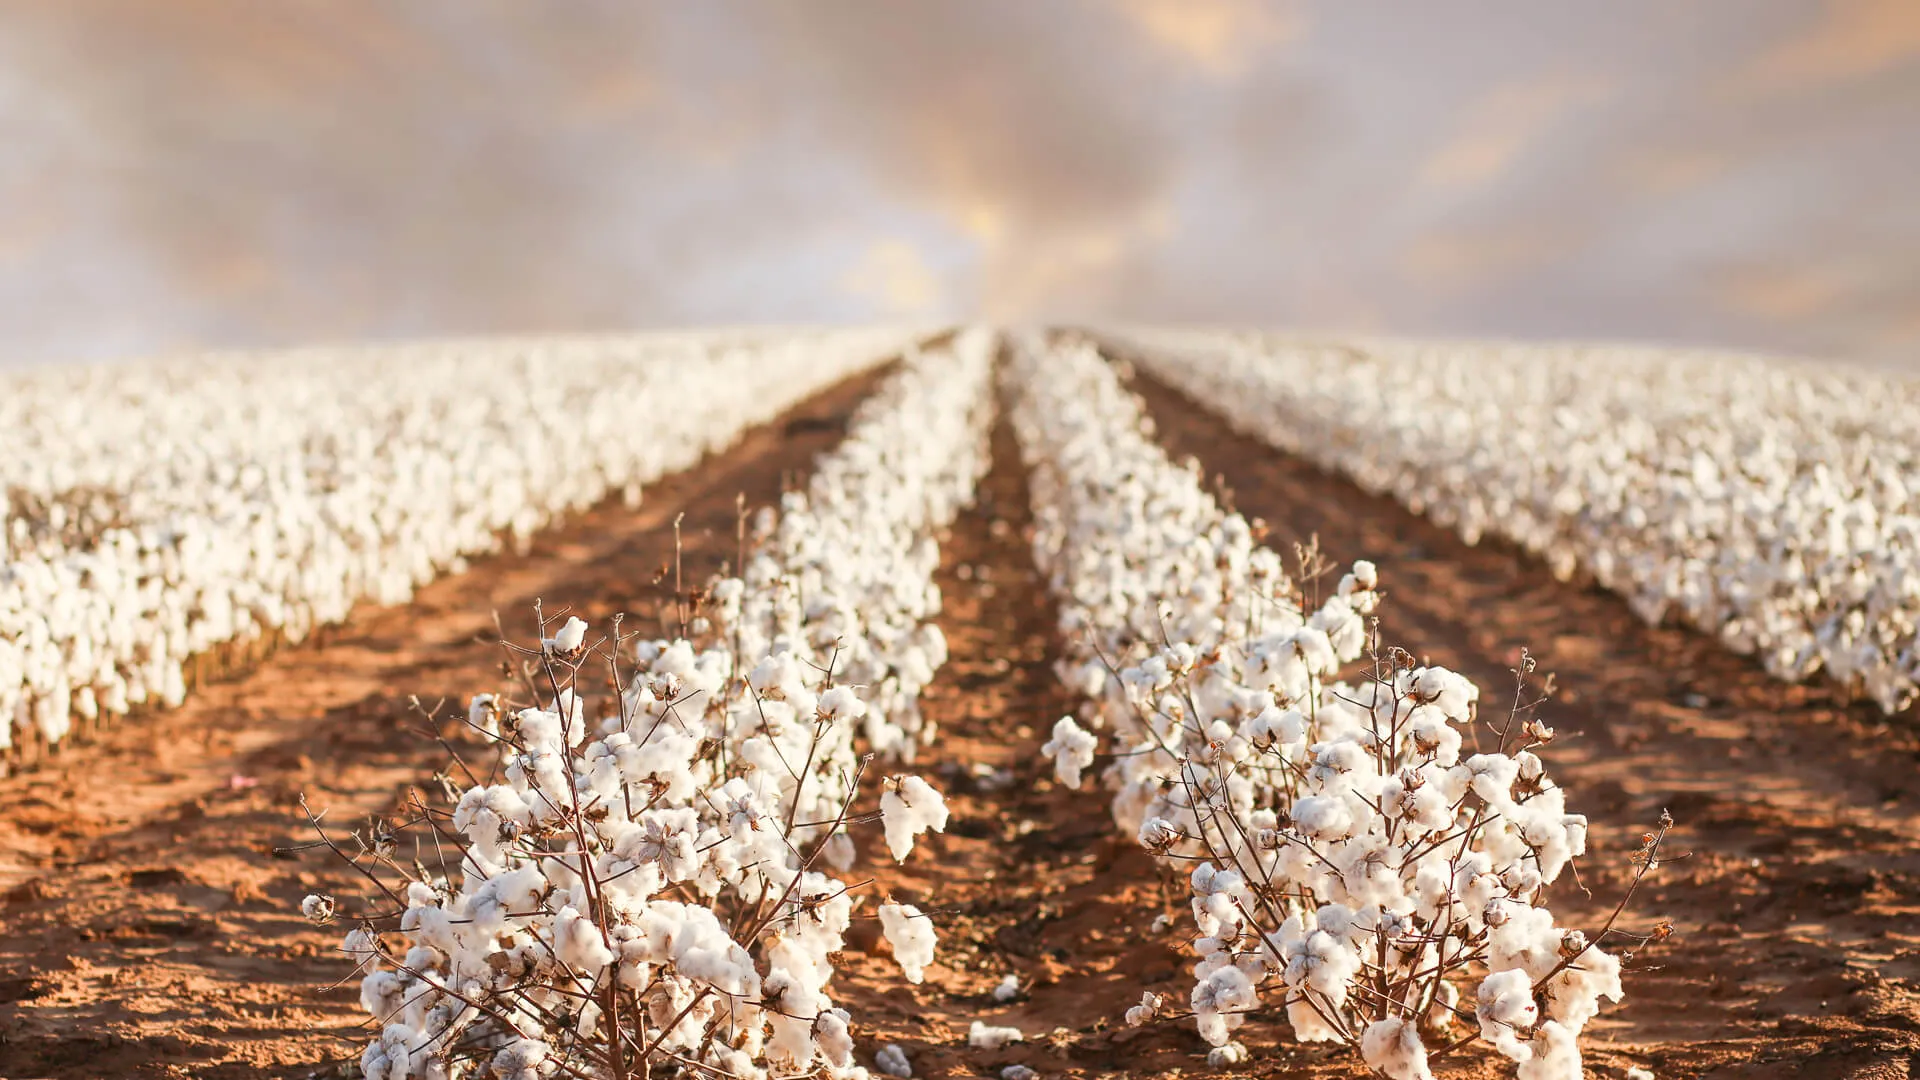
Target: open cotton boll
(912,937)
(1392,1047)
(1017,1072)
(1072,749)
(1223,1057)
(909,807)
(987,1037)
(892,1061)
(1556,1054)
(1144,1012)
(1505,1007)
(1007,989)
(569,639)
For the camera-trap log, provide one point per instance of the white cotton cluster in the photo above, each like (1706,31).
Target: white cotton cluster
(1349,858)
(910,806)
(1770,503)
(152,514)
(1007,989)
(1072,750)
(912,937)
(1017,1072)
(659,859)
(989,1037)
(892,1061)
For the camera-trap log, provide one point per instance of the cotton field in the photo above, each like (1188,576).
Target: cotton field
(956,702)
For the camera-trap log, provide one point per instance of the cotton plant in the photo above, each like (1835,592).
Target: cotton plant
(1772,504)
(272,492)
(1362,851)
(653,879)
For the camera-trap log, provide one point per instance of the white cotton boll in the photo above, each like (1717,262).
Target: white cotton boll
(1323,817)
(1224,1057)
(1007,989)
(842,703)
(1505,1006)
(318,908)
(1144,1012)
(1638,1073)
(830,1032)
(569,639)
(361,945)
(909,807)
(892,1061)
(578,944)
(1556,1054)
(1393,1048)
(987,1037)
(483,712)
(1017,1072)
(521,1059)
(912,937)
(1220,1001)
(1072,750)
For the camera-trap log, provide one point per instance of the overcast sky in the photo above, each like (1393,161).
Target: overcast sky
(258,172)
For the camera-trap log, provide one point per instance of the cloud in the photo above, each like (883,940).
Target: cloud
(1219,37)
(1502,126)
(898,279)
(1850,40)
(224,172)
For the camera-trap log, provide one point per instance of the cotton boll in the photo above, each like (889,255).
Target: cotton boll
(986,1037)
(483,713)
(1017,1072)
(841,703)
(1072,750)
(1144,1012)
(1224,1057)
(569,639)
(912,937)
(318,908)
(909,807)
(1556,1054)
(1219,1003)
(1392,1047)
(835,1041)
(892,1061)
(1007,989)
(1506,1008)
(578,944)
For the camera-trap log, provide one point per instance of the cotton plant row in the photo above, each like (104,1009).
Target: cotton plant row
(657,883)
(1773,504)
(155,512)
(1365,853)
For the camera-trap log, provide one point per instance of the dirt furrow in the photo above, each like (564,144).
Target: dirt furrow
(147,928)
(1798,946)
(1029,879)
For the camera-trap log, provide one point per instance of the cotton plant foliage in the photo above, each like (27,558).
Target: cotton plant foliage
(653,880)
(1363,851)
(272,492)
(1771,503)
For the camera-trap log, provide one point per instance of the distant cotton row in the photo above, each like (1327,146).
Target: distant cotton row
(646,885)
(1775,505)
(1347,860)
(154,512)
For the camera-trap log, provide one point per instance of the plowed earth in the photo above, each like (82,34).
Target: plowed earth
(147,928)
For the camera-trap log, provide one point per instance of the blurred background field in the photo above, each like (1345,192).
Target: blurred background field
(199,173)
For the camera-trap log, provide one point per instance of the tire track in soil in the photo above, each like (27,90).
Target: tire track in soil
(1798,949)
(146,928)
(1030,878)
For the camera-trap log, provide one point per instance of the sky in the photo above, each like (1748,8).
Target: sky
(251,173)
